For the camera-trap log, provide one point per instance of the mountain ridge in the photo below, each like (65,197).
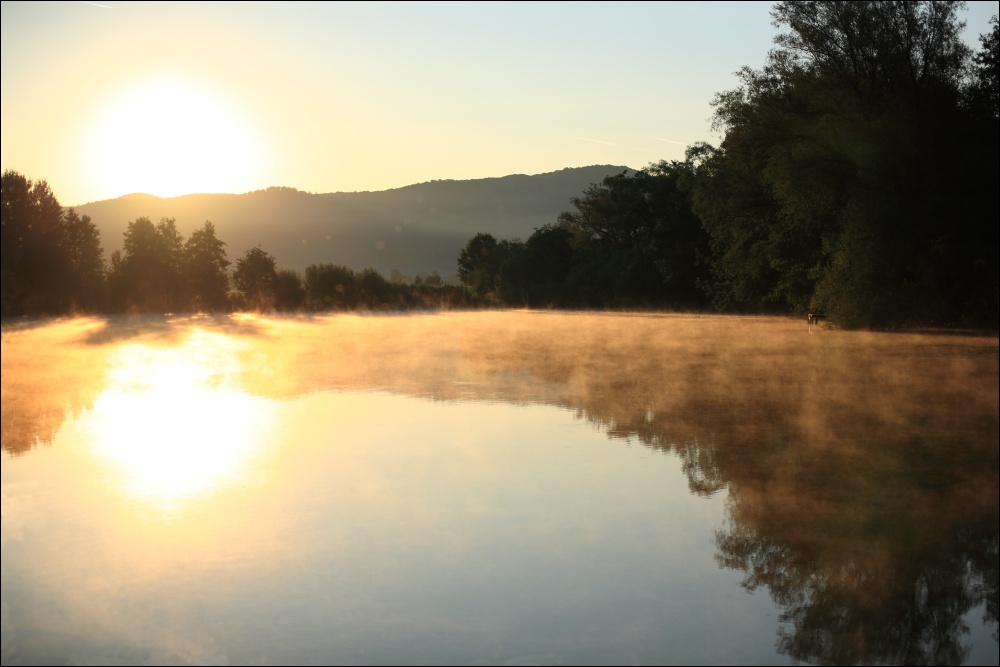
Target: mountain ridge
(413,228)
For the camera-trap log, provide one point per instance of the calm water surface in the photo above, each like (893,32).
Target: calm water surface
(496,488)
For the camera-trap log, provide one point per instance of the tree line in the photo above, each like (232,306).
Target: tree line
(857,177)
(53,263)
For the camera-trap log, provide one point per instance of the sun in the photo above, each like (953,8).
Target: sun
(169,137)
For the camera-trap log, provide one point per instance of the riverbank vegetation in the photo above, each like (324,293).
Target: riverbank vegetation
(857,176)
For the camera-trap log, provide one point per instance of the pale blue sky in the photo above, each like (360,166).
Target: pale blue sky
(106,98)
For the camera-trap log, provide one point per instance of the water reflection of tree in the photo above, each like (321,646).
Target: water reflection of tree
(861,472)
(862,485)
(861,469)
(877,555)
(887,600)
(46,377)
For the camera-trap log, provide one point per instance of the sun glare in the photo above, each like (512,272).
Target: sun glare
(169,138)
(172,427)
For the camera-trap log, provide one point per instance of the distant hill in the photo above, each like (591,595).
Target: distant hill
(417,228)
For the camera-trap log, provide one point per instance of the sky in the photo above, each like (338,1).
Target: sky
(107,98)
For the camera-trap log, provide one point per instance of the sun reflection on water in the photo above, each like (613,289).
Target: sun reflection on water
(173,424)
(350,489)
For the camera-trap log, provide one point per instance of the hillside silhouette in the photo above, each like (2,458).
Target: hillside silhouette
(416,228)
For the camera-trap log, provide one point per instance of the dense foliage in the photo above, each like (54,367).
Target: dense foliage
(858,174)
(632,240)
(857,177)
(50,259)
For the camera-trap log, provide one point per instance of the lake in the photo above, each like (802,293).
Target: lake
(512,488)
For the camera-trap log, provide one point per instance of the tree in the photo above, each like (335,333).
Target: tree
(532,273)
(85,270)
(256,277)
(147,274)
(289,293)
(985,88)
(738,212)
(32,249)
(330,286)
(478,263)
(844,182)
(881,53)
(637,231)
(205,265)
(51,260)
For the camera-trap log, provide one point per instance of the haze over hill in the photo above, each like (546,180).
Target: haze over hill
(417,228)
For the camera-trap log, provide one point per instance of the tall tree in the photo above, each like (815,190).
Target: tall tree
(289,294)
(256,277)
(205,265)
(479,263)
(637,231)
(16,211)
(32,259)
(738,211)
(86,270)
(842,183)
(51,260)
(147,274)
(985,88)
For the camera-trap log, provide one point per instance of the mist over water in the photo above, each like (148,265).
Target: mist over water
(497,488)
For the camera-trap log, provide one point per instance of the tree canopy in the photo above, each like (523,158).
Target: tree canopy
(205,265)
(256,277)
(857,177)
(50,259)
(853,179)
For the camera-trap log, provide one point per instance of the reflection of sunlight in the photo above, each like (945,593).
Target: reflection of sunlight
(170,424)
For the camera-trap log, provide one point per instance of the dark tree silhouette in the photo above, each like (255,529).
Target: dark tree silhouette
(479,263)
(85,284)
(638,232)
(985,89)
(256,278)
(147,273)
(32,247)
(852,178)
(330,286)
(205,265)
(50,260)
(632,240)
(289,293)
